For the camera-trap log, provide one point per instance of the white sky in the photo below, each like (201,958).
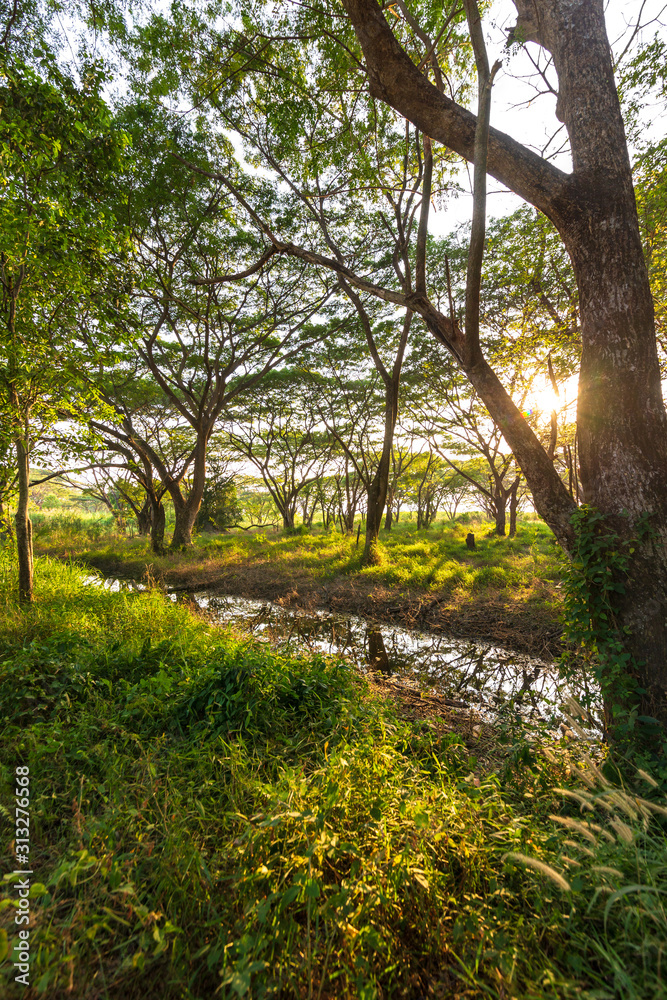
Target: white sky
(534,123)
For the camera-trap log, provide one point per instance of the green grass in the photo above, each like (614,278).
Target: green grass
(71,528)
(211,818)
(436,560)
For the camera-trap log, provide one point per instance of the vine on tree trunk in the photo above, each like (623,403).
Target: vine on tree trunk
(595,584)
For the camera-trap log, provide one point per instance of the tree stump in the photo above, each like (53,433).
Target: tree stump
(470,540)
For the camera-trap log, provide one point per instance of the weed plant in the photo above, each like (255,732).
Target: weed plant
(210,818)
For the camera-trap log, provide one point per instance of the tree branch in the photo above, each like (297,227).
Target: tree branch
(394,79)
(478,228)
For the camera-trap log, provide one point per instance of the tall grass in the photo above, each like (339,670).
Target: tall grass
(57,527)
(613,858)
(213,819)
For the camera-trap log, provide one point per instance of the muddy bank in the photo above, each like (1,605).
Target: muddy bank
(504,618)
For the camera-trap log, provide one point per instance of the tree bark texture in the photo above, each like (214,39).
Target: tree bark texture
(144,517)
(500,514)
(621,417)
(23,523)
(186,510)
(158,519)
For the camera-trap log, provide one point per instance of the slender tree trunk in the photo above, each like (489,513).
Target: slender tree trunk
(390,504)
(500,505)
(377,489)
(420,509)
(22,521)
(514,504)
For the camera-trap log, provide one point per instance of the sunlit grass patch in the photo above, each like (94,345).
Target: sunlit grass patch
(434,560)
(67,605)
(448,575)
(211,818)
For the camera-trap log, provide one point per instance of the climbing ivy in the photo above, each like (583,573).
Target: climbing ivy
(594,583)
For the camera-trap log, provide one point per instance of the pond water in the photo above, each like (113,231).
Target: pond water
(494,681)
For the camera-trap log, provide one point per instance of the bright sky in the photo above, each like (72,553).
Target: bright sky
(535,121)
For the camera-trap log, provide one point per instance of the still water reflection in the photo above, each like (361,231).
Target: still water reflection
(489,678)
(492,680)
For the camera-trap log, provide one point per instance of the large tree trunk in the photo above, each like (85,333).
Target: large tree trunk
(622,428)
(621,417)
(22,521)
(183,525)
(185,516)
(143,515)
(185,511)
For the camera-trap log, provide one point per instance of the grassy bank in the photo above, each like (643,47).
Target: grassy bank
(210,818)
(505,591)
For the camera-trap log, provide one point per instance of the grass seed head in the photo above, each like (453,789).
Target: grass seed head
(653,807)
(606,870)
(645,776)
(623,831)
(583,798)
(576,728)
(542,867)
(574,707)
(580,847)
(573,824)
(624,803)
(595,772)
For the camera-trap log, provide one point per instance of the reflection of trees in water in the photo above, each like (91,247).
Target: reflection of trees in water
(377,654)
(456,668)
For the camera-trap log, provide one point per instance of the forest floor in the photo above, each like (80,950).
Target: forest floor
(506,591)
(209,817)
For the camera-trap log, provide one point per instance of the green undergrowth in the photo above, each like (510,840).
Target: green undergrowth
(210,818)
(436,559)
(72,529)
